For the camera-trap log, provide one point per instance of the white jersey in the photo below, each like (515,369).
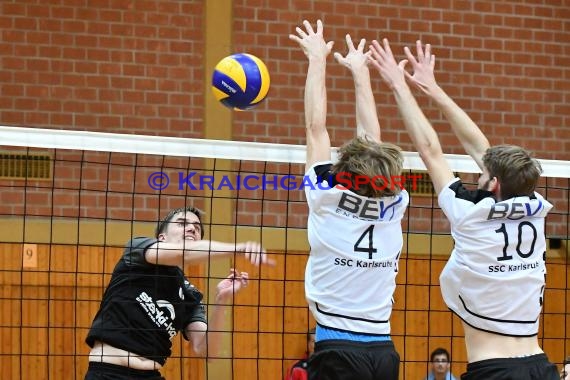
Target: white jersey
(355,242)
(494,280)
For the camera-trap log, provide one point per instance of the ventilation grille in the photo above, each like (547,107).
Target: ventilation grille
(25,166)
(419,183)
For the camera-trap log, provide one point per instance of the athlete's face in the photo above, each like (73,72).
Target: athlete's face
(182,226)
(485,182)
(440,364)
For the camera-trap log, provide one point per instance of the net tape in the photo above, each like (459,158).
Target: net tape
(205,148)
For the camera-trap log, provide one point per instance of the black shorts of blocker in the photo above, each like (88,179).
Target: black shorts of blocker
(106,371)
(535,367)
(349,360)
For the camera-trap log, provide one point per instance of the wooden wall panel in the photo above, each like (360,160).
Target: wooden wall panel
(47,311)
(45,314)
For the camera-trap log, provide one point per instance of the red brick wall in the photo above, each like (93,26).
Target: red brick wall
(504,62)
(103,65)
(136,67)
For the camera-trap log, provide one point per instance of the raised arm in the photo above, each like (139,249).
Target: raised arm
(316,50)
(420,130)
(470,136)
(356,60)
(207,339)
(189,252)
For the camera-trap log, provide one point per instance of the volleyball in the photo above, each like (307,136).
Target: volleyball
(240,81)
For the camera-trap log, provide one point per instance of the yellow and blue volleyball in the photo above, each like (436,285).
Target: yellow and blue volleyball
(240,81)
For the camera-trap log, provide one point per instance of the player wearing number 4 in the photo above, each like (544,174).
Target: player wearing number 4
(494,280)
(355,234)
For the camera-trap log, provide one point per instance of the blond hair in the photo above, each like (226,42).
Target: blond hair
(379,162)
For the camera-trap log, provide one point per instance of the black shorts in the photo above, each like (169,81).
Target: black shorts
(106,371)
(348,360)
(535,367)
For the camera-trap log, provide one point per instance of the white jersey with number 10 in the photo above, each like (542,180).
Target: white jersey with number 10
(494,280)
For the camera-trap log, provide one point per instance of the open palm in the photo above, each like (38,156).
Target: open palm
(356,58)
(423,66)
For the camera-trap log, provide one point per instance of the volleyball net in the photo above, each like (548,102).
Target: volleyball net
(70,200)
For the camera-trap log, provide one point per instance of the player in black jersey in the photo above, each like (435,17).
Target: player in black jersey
(494,279)
(149,300)
(354,227)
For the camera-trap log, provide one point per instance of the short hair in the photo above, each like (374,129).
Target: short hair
(362,156)
(439,351)
(163,224)
(517,172)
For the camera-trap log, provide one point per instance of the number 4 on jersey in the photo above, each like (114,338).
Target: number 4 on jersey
(360,246)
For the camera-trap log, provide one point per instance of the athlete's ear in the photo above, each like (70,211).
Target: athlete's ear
(161,237)
(495,186)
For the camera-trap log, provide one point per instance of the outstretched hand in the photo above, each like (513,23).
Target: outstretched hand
(356,59)
(254,253)
(231,285)
(423,66)
(383,60)
(312,43)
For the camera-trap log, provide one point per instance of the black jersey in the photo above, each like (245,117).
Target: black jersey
(145,305)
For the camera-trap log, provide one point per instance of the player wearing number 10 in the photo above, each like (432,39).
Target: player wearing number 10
(355,235)
(494,280)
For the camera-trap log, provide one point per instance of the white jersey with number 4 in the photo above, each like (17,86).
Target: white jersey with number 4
(494,280)
(355,244)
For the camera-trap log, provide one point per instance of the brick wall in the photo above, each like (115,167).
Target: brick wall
(503,62)
(103,65)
